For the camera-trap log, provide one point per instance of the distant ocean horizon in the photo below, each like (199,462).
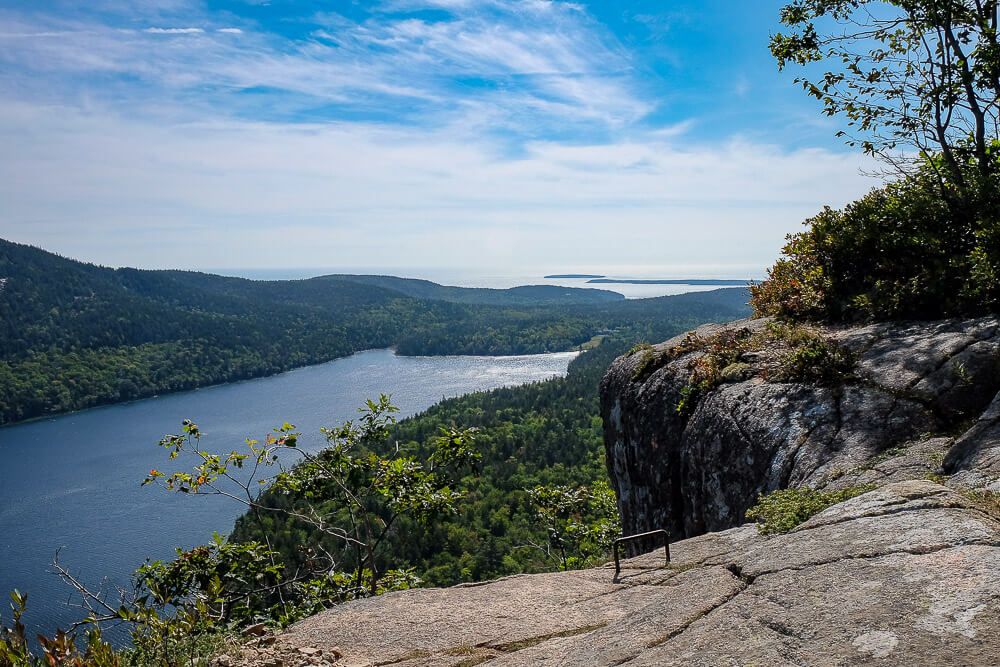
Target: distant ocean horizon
(500,280)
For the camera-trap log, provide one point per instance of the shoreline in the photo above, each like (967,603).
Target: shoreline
(110,404)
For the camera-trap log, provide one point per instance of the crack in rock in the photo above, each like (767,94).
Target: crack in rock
(913,551)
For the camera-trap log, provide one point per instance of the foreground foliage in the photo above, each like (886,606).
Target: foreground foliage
(912,78)
(364,494)
(900,252)
(918,83)
(179,610)
(783,510)
(61,650)
(582,523)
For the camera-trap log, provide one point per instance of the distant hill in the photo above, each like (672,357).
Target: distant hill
(528,295)
(75,335)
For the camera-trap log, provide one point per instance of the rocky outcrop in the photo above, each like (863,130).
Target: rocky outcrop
(908,574)
(918,401)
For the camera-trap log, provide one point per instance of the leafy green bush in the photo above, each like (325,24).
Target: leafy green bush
(905,250)
(783,510)
(350,493)
(817,361)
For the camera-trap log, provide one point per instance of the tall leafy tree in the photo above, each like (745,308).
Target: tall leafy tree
(914,78)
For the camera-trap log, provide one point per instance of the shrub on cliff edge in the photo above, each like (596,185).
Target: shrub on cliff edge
(900,252)
(783,510)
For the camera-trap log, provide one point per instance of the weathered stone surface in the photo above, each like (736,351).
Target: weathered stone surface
(974,461)
(908,574)
(951,364)
(894,418)
(909,517)
(916,460)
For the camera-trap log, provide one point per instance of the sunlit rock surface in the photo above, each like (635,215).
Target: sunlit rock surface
(908,574)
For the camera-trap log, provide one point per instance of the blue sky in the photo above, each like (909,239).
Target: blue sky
(646,137)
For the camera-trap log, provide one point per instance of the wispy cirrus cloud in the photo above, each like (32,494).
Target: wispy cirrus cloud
(545,56)
(174,31)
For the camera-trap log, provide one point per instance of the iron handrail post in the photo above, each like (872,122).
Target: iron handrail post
(631,538)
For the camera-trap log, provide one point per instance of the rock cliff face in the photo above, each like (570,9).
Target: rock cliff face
(916,401)
(903,575)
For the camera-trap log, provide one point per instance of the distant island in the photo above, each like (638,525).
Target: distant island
(628,281)
(558,276)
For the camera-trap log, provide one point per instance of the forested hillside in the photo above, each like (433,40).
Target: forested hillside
(526,295)
(547,434)
(75,335)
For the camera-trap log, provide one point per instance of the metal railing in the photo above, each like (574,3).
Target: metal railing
(633,538)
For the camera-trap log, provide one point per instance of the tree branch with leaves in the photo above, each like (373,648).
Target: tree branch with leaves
(916,80)
(364,492)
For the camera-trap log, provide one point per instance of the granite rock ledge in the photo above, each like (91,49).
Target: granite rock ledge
(908,574)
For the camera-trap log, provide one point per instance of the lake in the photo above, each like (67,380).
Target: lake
(72,483)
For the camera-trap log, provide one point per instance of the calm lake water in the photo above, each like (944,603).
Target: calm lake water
(71,483)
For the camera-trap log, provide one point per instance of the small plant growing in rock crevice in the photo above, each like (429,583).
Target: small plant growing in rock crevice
(817,361)
(638,347)
(792,353)
(783,510)
(987,501)
(690,395)
(649,362)
(717,353)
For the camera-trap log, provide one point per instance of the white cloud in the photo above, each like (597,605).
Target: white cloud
(30,35)
(157,165)
(411,5)
(216,194)
(544,63)
(174,31)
